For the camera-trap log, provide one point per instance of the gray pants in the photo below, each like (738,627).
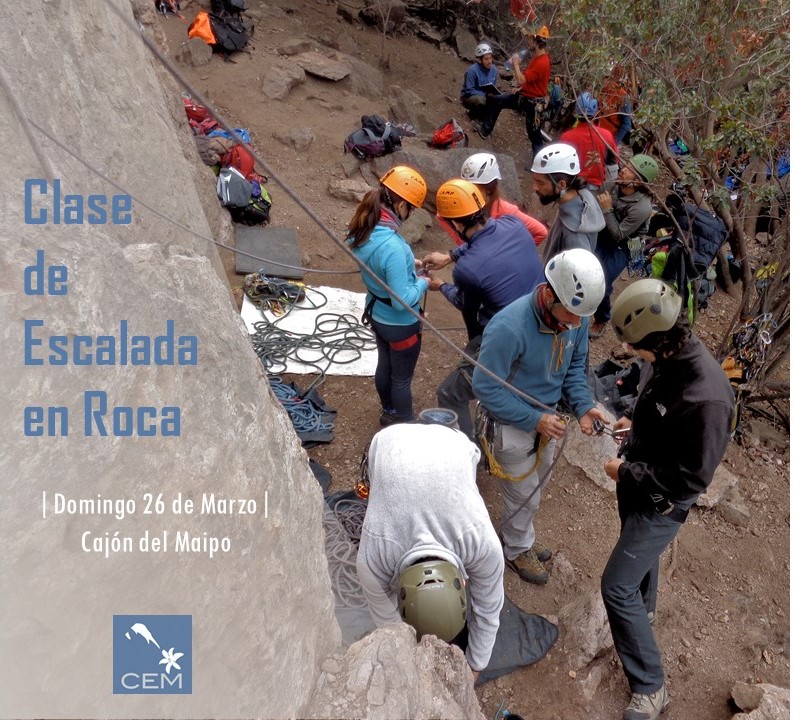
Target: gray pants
(515,451)
(456,393)
(629,587)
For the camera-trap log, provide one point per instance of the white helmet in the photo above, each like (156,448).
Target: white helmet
(480,169)
(483,49)
(556,158)
(577,279)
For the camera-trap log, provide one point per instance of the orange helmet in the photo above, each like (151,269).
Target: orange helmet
(458,199)
(405,182)
(543,33)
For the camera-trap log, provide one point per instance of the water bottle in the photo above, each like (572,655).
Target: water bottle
(524,56)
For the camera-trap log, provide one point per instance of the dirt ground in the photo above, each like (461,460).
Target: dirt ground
(724,614)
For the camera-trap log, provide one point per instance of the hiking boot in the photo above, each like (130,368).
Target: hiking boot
(597,329)
(528,567)
(480,130)
(388,417)
(543,553)
(647,707)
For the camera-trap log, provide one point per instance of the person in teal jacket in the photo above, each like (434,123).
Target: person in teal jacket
(373,235)
(538,344)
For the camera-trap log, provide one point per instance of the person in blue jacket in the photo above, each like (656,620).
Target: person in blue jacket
(373,235)
(539,344)
(479,87)
(500,264)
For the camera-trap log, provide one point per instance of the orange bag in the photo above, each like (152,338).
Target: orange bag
(201,27)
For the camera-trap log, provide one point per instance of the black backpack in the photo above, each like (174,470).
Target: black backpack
(376,137)
(229,32)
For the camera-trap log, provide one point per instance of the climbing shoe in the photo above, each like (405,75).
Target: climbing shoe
(647,707)
(543,553)
(528,567)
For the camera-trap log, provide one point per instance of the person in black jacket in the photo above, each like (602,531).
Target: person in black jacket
(679,429)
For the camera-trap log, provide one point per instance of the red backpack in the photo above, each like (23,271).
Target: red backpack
(449,135)
(241,159)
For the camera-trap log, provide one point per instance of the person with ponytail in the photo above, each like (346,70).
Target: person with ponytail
(373,236)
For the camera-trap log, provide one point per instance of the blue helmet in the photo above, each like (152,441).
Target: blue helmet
(586,105)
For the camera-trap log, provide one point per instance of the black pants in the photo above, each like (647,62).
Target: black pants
(456,391)
(398,349)
(524,105)
(629,587)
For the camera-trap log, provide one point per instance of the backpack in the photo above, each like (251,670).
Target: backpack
(449,135)
(232,7)
(233,189)
(225,33)
(256,212)
(240,158)
(376,137)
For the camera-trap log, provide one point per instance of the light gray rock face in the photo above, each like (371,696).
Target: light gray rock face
(590,452)
(349,189)
(281,78)
(364,79)
(387,676)
(315,63)
(300,138)
(416,226)
(465,43)
(195,52)
(761,702)
(722,484)
(437,166)
(587,634)
(262,612)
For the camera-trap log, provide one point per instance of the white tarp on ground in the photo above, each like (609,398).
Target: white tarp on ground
(302,320)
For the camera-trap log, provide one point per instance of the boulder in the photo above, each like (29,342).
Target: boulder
(194,52)
(590,452)
(465,43)
(407,107)
(281,78)
(295,46)
(348,189)
(416,226)
(349,10)
(437,166)
(350,164)
(723,482)
(388,15)
(346,43)
(299,138)
(734,510)
(587,633)
(364,79)
(388,675)
(321,66)
(761,702)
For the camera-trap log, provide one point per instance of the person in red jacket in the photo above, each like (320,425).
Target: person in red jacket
(596,146)
(533,79)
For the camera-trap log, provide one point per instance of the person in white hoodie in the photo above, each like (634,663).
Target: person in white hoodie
(429,554)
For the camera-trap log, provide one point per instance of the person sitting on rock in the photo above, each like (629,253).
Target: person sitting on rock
(479,85)
(429,555)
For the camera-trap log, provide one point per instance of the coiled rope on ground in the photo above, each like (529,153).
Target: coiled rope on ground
(305,416)
(342,526)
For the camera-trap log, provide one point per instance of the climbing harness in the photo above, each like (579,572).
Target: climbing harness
(485,431)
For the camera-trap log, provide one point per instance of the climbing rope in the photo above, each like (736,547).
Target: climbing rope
(342,525)
(304,414)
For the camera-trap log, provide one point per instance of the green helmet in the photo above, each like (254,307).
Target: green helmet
(646,166)
(432,599)
(645,307)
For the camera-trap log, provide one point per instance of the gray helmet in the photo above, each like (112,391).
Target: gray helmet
(645,307)
(432,599)
(577,278)
(483,49)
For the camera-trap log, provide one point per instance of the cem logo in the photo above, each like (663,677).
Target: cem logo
(152,654)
